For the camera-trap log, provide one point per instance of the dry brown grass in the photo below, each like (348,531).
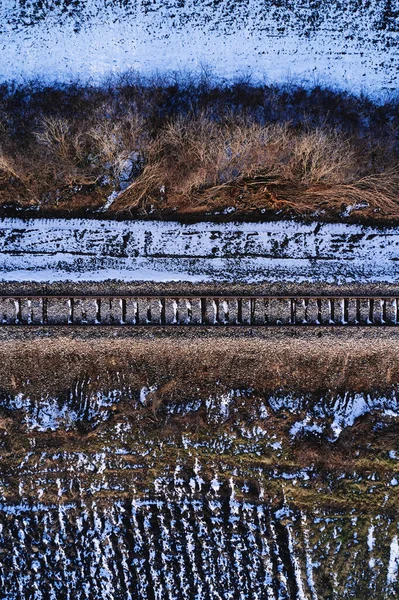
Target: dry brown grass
(199,164)
(197,161)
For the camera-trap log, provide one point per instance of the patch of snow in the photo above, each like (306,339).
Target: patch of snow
(144,392)
(263,413)
(283,512)
(110,200)
(49,413)
(353,207)
(215,484)
(370,538)
(301,427)
(355,407)
(276,445)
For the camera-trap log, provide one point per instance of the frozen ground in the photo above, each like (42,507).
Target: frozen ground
(113,521)
(353,44)
(82,250)
(180,546)
(184,511)
(326,416)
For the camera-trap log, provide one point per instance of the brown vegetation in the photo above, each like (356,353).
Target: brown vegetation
(195,147)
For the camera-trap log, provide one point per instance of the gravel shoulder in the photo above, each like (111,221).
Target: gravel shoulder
(51,360)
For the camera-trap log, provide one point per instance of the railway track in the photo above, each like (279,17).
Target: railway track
(199,310)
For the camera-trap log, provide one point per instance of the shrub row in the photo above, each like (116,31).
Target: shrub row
(186,144)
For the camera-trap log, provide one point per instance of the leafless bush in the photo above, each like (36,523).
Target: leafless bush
(322,157)
(117,139)
(8,168)
(56,135)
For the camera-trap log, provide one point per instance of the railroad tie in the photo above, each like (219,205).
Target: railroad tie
(210,311)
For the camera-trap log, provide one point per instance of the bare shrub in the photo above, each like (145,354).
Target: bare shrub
(8,168)
(118,139)
(56,135)
(322,157)
(60,153)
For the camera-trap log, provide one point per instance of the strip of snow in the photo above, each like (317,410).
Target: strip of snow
(393,566)
(45,250)
(308,558)
(296,564)
(350,44)
(334,415)
(370,538)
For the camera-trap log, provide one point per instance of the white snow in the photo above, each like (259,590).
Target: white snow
(285,511)
(393,566)
(144,392)
(345,413)
(338,413)
(49,414)
(356,407)
(305,426)
(345,45)
(308,556)
(215,484)
(370,538)
(295,563)
(96,250)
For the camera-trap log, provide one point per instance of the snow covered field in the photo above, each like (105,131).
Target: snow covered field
(180,546)
(82,250)
(111,520)
(352,44)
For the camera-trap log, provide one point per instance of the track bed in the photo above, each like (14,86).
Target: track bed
(199,310)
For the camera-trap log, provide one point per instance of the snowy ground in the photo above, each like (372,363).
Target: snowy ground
(352,44)
(83,250)
(326,416)
(207,547)
(200,513)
